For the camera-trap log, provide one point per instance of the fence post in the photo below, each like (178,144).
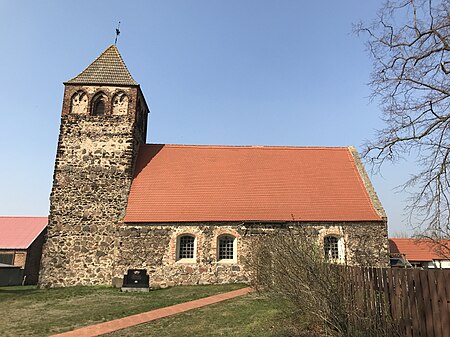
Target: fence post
(442,278)
(413,283)
(428,313)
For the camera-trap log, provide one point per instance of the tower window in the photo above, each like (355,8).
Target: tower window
(98,106)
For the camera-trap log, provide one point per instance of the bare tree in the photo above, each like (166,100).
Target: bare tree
(410,47)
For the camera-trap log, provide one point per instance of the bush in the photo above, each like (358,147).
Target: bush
(290,264)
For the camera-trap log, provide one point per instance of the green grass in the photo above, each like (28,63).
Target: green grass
(250,315)
(27,311)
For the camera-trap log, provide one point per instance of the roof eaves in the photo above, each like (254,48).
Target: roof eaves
(105,82)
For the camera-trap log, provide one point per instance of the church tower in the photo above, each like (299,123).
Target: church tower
(103,122)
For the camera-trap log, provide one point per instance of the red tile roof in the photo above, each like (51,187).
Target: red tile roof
(183,183)
(19,232)
(419,250)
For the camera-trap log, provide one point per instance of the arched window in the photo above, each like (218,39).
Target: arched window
(98,105)
(186,248)
(79,103)
(333,247)
(226,248)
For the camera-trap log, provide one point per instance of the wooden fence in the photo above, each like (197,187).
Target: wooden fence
(416,301)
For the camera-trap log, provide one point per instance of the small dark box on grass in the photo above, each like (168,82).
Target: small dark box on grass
(136,280)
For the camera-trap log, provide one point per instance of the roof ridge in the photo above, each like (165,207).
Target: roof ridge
(276,147)
(107,68)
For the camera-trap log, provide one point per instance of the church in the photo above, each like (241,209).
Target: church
(188,214)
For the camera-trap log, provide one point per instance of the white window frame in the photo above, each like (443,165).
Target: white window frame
(186,260)
(232,260)
(340,248)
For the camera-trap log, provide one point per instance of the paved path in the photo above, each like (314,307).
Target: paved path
(126,322)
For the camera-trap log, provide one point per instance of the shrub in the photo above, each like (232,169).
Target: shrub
(321,300)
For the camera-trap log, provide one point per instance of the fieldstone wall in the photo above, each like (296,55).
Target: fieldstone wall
(92,178)
(153,247)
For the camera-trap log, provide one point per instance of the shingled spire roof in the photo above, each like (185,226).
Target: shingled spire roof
(108,68)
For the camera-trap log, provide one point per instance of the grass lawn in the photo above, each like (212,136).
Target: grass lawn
(249,315)
(27,311)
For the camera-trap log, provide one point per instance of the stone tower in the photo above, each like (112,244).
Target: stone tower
(103,122)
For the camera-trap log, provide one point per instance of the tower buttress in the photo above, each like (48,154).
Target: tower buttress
(103,122)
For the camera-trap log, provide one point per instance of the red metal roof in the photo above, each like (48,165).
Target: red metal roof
(19,232)
(419,250)
(184,183)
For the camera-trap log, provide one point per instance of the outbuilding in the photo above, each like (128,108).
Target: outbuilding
(420,253)
(21,240)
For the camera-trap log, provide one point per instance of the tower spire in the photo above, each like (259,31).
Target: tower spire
(108,68)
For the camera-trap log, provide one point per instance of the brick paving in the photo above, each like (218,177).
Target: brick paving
(126,322)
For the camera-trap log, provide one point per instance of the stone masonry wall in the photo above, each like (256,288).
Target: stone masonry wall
(153,247)
(92,177)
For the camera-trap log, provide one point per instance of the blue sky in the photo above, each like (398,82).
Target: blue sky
(213,72)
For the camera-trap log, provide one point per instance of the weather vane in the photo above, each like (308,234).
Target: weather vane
(117,33)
